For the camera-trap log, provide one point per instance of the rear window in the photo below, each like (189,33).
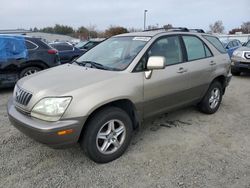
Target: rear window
(216,43)
(195,48)
(30,45)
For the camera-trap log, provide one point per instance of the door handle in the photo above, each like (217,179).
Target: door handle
(181,70)
(212,63)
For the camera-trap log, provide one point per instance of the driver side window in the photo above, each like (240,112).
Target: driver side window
(168,47)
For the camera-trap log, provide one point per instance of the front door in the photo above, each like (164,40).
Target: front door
(167,88)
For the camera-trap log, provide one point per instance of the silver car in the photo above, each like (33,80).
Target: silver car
(241,60)
(104,95)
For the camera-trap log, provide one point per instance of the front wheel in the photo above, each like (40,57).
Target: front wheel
(212,99)
(107,135)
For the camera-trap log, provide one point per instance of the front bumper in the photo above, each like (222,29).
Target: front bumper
(241,67)
(8,79)
(46,132)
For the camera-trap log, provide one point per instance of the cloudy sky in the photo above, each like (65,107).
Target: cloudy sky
(129,13)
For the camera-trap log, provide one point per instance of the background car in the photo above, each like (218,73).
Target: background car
(87,45)
(241,60)
(231,45)
(247,44)
(66,51)
(22,55)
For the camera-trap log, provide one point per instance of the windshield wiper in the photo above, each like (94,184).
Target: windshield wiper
(92,64)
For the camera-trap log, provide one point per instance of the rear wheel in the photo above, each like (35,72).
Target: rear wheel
(212,100)
(29,71)
(107,135)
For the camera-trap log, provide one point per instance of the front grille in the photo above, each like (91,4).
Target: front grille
(22,97)
(247,55)
(245,63)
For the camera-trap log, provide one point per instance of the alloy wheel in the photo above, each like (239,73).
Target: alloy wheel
(111,136)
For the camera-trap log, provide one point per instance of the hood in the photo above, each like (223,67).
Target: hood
(63,79)
(244,48)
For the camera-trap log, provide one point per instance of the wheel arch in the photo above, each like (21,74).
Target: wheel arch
(37,63)
(124,104)
(222,80)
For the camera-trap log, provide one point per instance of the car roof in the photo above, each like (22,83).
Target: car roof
(154,32)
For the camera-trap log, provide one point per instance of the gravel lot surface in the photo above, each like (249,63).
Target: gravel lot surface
(180,149)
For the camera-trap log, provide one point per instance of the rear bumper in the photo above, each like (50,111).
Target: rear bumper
(46,132)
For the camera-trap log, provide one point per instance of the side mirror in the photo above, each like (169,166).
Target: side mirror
(156,62)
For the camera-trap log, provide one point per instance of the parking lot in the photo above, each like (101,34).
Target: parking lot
(181,149)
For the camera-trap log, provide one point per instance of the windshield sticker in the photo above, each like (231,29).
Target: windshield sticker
(146,39)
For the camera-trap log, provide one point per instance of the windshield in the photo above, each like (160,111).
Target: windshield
(81,44)
(116,53)
(248,44)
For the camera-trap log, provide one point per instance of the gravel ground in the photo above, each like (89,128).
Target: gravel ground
(180,149)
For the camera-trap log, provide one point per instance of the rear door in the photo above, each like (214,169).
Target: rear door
(200,64)
(65,52)
(167,88)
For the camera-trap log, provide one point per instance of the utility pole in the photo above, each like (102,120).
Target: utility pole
(145,15)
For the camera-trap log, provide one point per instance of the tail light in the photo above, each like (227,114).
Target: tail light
(52,51)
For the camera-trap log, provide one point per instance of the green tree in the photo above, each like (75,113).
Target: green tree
(115,30)
(63,29)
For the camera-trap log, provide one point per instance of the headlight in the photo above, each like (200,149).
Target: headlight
(237,53)
(50,109)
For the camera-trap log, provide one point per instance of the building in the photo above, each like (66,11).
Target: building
(239,36)
(48,37)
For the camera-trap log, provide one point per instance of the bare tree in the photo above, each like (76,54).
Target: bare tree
(168,26)
(151,27)
(217,27)
(245,27)
(132,29)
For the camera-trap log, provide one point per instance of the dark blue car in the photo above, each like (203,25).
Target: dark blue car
(22,56)
(231,45)
(67,52)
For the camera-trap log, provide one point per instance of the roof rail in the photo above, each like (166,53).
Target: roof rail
(178,29)
(183,29)
(197,30)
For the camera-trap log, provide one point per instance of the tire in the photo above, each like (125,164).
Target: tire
(100,132)
(235,72)
(29,71)
(212,99)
